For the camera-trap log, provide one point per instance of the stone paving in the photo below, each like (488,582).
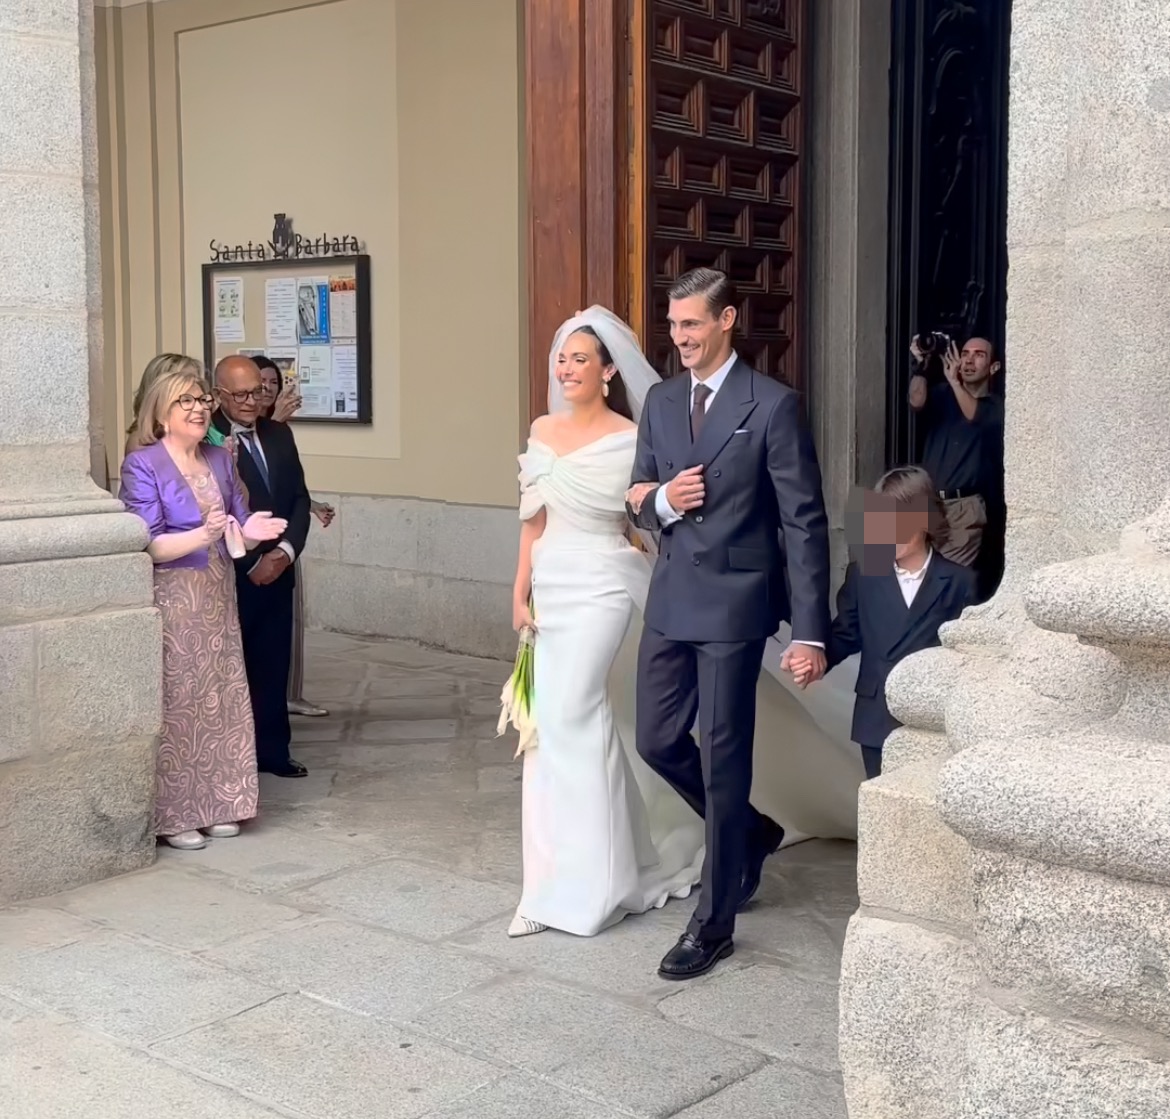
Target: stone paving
(345,957)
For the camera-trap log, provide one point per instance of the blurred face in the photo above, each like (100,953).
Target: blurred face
(188,417)
(977,365)
(580,370)
(240,392)
(703,339)
(895,527)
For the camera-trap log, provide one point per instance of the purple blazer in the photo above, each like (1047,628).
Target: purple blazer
(154,489)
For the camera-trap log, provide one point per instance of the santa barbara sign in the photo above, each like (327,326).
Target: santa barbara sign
(284,244)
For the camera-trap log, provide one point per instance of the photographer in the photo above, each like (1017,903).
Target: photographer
(964,448)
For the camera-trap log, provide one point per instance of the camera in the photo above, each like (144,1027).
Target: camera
(934,344)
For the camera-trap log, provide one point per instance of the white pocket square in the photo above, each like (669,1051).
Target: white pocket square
(741,431)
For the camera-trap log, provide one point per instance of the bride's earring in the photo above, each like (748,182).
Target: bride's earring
(605,388)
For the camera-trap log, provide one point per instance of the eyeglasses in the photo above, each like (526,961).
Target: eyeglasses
(187,402)
(247,394)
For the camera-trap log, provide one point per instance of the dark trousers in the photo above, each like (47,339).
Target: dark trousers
(872,756)
(716,681)
(266,627)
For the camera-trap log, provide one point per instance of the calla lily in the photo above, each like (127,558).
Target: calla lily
(517,697)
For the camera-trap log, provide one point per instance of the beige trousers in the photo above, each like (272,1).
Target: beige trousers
(966,520)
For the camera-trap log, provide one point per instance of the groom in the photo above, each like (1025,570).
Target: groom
(737,499)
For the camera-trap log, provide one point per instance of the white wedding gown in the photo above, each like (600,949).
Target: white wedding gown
(603,835)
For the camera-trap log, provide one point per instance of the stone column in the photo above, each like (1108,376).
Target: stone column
(1011,953)
(80,642)
(848,139)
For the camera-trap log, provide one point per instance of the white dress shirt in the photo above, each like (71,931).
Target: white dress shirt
(667,514)
(254,447)
(910,582)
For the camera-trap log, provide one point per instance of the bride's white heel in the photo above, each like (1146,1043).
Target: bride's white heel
(521,926)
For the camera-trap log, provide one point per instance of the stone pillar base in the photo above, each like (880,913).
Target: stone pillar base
(80,702)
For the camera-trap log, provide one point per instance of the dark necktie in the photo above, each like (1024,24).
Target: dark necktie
(698,411)
(253,449)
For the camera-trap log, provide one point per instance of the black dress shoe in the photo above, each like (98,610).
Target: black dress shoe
(754,866)
(290,768)
(693,956)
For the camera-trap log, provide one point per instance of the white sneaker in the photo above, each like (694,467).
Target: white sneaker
(222,831)
(522,926)
(186,840)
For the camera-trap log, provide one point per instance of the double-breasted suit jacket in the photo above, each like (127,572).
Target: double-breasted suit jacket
(756,552)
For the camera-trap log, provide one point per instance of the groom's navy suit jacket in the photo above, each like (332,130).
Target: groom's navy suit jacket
(720,574)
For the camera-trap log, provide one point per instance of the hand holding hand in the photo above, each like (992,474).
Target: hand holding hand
(324,513)
(636,494)
(287,405)
(806,663)
(263,526)
(686,490)
(522,616)
(215,526)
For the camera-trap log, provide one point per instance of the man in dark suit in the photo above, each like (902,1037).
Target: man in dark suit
(270,469)
(737,500)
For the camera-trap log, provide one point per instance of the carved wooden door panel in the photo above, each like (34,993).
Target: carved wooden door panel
(723,124)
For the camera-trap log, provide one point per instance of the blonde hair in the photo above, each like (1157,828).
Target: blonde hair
(911,486)
(160,366)
(157,401)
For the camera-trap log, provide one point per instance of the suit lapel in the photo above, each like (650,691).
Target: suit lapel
(934,582)
(732,405)
(893,604)
(250,472)
(676,401)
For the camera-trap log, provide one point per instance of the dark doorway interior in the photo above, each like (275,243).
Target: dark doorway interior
(948,187)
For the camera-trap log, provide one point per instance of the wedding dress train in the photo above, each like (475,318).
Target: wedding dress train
(603,836)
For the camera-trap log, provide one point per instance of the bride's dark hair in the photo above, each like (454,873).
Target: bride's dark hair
(618,399)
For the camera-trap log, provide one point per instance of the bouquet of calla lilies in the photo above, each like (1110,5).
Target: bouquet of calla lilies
(517,698)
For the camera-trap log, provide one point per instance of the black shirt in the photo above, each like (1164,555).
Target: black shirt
(963,454)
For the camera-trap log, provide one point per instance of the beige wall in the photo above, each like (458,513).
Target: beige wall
(397,120)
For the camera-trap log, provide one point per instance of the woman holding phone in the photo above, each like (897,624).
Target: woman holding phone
(280,403)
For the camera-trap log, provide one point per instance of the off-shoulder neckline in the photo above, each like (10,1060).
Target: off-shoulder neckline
(584,446)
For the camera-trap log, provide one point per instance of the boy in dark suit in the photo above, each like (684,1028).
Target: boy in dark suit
(895,599)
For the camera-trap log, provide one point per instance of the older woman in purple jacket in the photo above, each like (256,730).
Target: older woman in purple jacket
(189,496)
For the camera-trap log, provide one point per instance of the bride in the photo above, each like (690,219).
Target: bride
(602,835)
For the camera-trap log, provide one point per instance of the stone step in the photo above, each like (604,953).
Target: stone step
(1085,942)
(908,860)
(1024,1064)
(906,994)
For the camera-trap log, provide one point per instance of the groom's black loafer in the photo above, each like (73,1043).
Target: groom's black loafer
(754,868)
(693,956)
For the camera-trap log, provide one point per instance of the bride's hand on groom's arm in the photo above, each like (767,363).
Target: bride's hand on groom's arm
(638,493)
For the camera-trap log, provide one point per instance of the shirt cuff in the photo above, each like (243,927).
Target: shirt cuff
(288,550)
(667,514)
(811,644)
